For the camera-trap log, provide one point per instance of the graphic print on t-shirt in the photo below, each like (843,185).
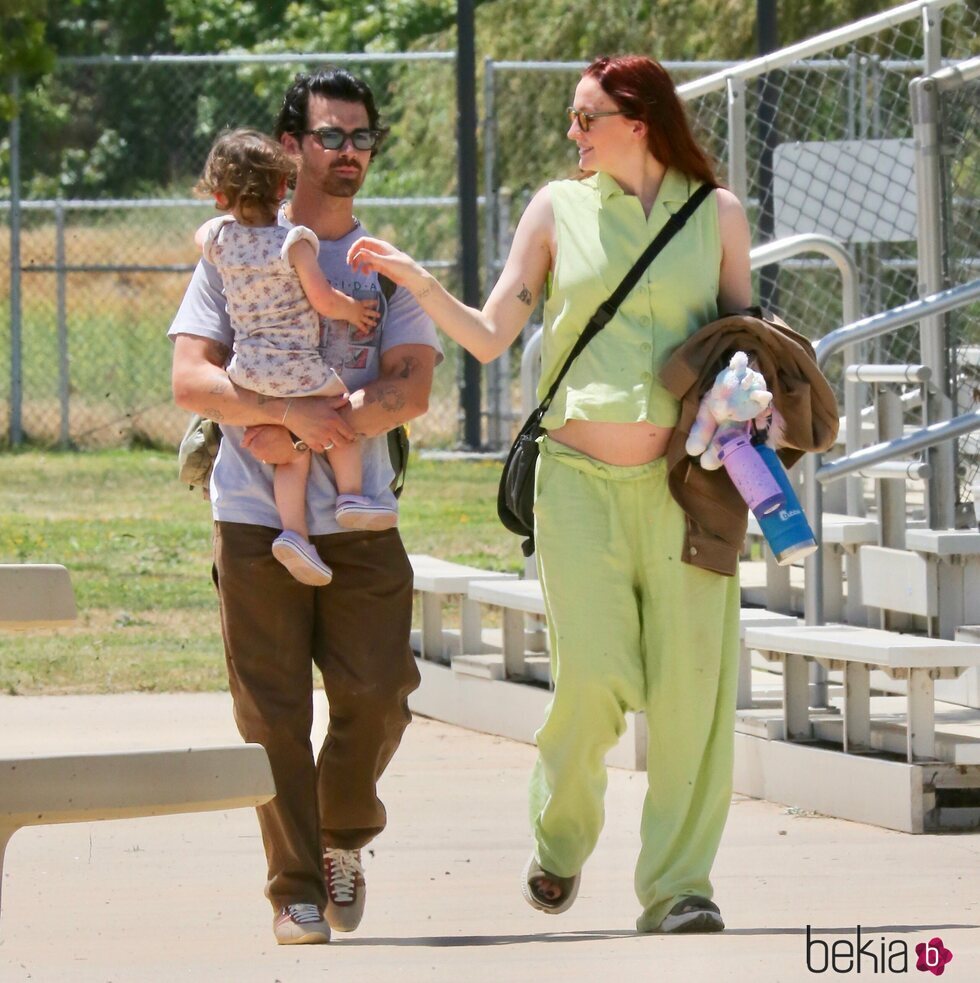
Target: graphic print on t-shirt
(358,357)
(341,344)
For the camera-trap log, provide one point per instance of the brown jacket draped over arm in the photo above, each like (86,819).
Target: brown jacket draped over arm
(717,516)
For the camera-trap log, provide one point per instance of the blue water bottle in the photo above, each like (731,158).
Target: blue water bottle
(786,530)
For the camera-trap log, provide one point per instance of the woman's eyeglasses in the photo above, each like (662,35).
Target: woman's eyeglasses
(584,119)
(333,138)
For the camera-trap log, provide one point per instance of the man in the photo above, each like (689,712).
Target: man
(356,630)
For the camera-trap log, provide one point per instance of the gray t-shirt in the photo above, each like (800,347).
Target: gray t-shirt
(241,487)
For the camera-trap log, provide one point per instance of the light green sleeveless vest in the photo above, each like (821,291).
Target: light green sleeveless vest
(600,233)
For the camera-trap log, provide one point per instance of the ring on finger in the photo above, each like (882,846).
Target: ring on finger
(328,446)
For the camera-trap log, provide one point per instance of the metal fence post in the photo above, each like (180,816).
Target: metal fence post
(874,132)
(499,250)
(941,489)
(62,307)
(498,371)
(16,369)
(932,39)
(489,175)
(469,240)
(738,177)
(767,127)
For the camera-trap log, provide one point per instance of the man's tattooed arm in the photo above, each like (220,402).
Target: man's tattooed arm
(525,295)
(398,395)
(220,387)
(388,396)
(201,385)
(410,364)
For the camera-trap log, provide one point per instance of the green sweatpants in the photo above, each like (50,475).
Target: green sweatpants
(631,628)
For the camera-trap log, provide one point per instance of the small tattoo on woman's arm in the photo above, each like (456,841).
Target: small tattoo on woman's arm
(525,295)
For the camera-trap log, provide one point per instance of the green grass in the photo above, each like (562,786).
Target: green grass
(138,547)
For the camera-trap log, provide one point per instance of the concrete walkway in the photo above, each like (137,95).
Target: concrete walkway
(179,898)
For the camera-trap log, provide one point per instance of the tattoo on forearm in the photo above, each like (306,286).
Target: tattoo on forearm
(525,295)
(221,387)
(213,413)
(422,292)
(409,365)
(391,398)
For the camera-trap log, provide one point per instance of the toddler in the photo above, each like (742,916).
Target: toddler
(275,292)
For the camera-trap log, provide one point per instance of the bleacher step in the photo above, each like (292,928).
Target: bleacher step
(537,668)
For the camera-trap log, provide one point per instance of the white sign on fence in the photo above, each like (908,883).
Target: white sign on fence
(852,190)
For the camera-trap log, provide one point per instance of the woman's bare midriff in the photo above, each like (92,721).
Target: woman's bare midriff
(623,444)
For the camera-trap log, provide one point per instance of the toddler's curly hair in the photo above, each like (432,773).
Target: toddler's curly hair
(248,168)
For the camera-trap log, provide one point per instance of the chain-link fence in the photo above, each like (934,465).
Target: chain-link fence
(815,139)
(959,112)
(827,148)
(104,234)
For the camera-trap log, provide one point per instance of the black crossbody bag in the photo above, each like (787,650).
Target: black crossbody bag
(515,494)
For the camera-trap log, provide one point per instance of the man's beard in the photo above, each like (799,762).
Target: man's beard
(343,187)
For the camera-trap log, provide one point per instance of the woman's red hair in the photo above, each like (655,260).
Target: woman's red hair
(644,91)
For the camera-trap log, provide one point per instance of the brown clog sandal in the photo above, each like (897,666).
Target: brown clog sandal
(531,884)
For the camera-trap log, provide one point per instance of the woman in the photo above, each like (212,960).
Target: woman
(632,627)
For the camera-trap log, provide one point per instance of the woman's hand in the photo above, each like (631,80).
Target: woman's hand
(487,333)
(369,255)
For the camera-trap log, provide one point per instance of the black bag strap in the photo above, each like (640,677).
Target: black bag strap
(609,307)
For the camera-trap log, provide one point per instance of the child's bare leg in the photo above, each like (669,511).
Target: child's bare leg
(293,548)
(345,459)
(355,510)
(289,487)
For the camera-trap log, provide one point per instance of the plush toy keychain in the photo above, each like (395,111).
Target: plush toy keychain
(738,396)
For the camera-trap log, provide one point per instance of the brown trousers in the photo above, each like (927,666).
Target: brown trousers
(356,632)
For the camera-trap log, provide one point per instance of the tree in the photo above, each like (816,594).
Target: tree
(25,49)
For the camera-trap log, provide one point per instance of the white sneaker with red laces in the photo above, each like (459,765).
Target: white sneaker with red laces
(300,924)
(346,891)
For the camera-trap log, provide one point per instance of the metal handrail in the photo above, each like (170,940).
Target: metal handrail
(900,446)
(822,42)
(897,471)
(878,374)
(863,330)
(813,242)
(896,317)
(953,76)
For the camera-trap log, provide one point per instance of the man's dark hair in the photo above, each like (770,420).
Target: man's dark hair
(331,83)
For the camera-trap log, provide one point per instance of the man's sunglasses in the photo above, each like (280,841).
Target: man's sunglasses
(584,119)
(333,138)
